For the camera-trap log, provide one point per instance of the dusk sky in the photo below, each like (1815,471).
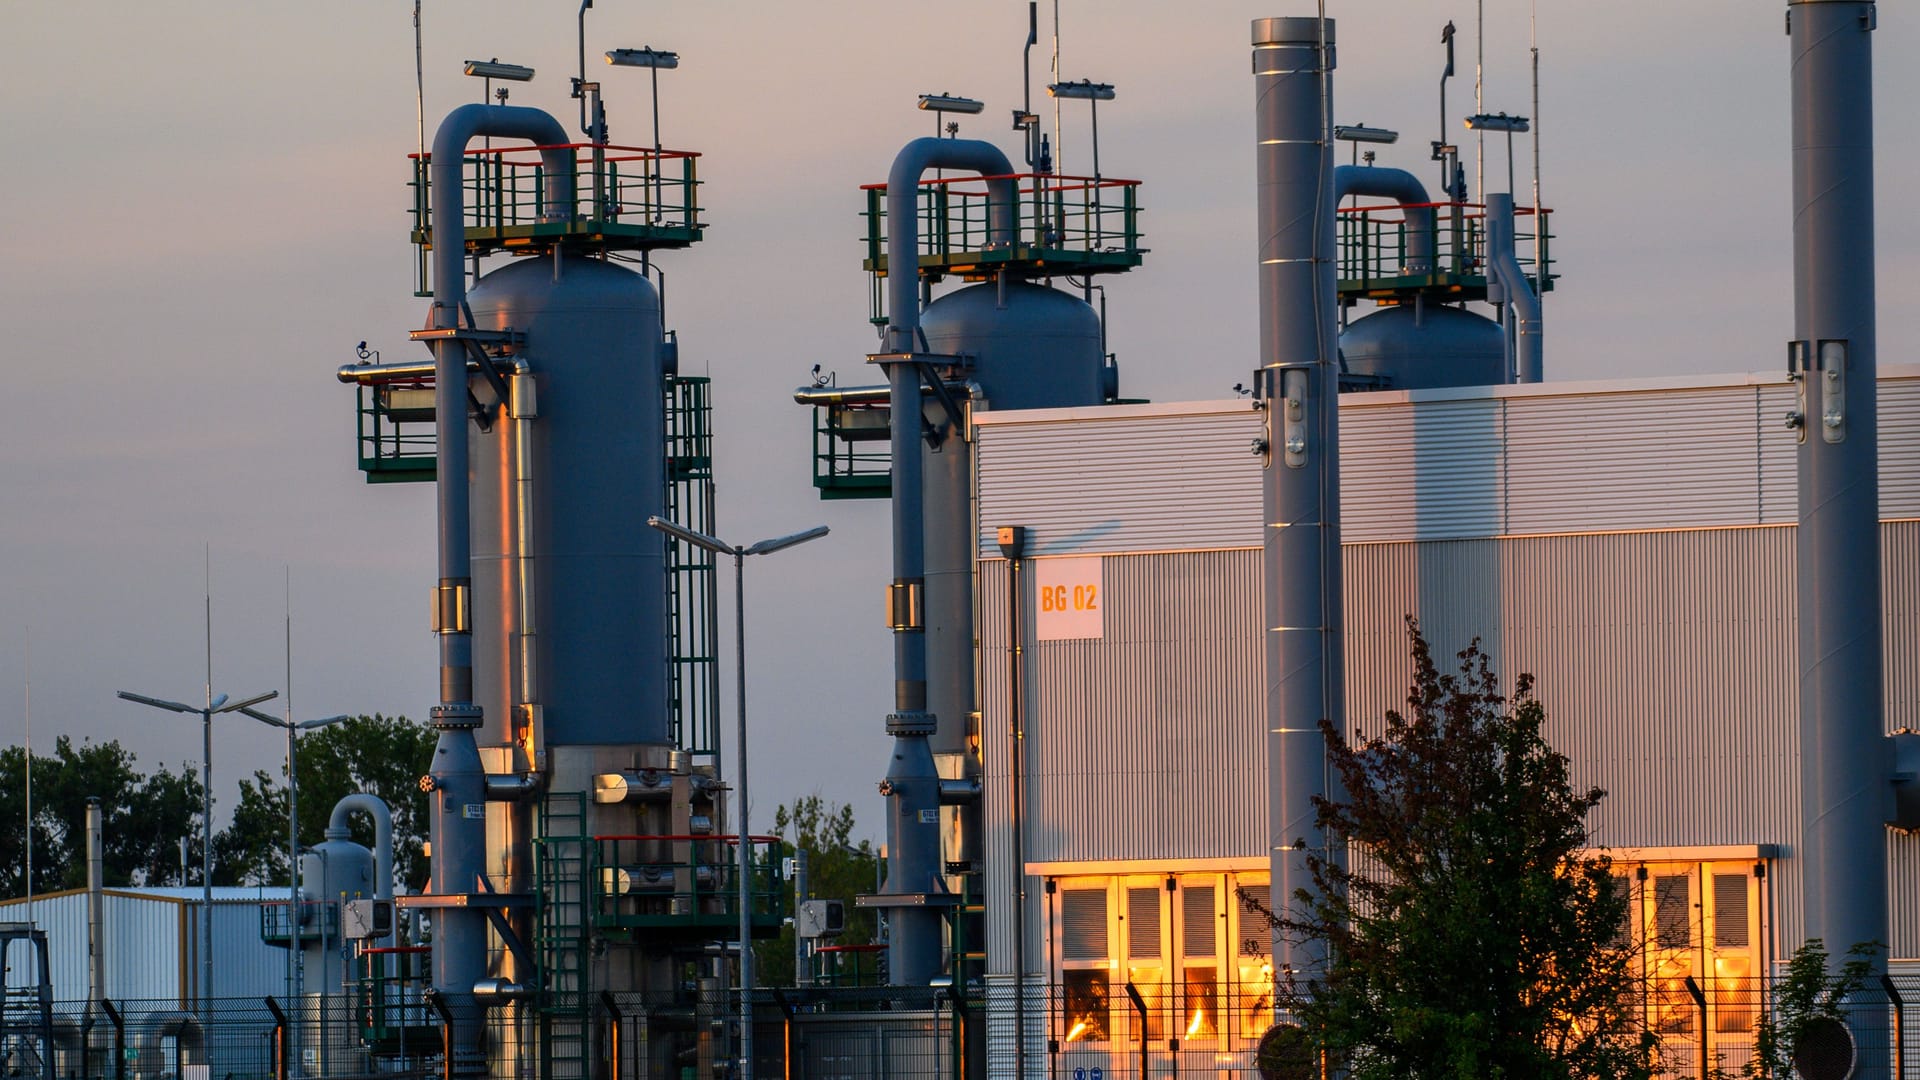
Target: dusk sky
(205,207)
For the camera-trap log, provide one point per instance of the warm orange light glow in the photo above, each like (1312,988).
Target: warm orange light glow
(1079,1027)
(1199,1023)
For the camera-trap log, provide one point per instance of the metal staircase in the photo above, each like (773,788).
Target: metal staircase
(563,870)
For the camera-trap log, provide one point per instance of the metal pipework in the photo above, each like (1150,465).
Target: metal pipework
(1515,290)
(1844,771)
(96,908)
(458,822)
(913,831)
(1403,186)
(373,807)
(1292,65)
(647,785)
(522,408)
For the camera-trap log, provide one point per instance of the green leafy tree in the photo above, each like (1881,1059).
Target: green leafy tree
(1806,1000)
(143,817)
(1468,936)
(379,755)
(837,869)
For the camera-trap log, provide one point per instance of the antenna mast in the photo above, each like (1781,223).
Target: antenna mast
(1539,219)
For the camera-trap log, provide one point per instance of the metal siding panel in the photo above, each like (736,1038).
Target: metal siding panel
(1432,470)
(1778,455)
(1899,403)
(1126,484)
(1594,462)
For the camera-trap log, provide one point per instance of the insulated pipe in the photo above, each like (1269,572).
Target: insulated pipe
(1516,289)
(376,809)
(1844,773)
(1401,185)
(457,780)
(1292,65)
(912,783)
(96,908)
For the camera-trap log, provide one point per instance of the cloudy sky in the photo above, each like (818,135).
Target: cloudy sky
(204,208)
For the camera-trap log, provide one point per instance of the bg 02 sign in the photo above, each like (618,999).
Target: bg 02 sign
(1069,598)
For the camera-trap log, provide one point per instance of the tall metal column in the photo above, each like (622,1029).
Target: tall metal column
(1292,66)
(1844,781)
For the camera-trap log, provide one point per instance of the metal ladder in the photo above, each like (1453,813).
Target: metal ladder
(563,870)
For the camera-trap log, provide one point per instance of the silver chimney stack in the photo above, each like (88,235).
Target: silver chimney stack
(1298,389)
(1844,779)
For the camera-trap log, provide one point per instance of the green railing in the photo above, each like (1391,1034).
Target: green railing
(393,1011)
(316,920)
(1062,225)
(626,198)
(852,458)
(396,438)
(1376,258)
(658,884)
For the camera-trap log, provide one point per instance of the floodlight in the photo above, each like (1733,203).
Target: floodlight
(1496,122)
(1084,90)
(768,547)
(697,539)
(1361,133)
(644,58)
(170,706)
(494,69)
(945,103)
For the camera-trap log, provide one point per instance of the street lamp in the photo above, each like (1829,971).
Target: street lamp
(216,703)
(744,868)
(296,952)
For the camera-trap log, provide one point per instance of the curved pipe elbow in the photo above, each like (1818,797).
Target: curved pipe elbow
(1404,187)
(960,791)
(514,787)
(376,809)
(903,219)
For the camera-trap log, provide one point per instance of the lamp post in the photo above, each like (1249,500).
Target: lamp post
(653,60)
(742,848)
(296,951)
(216,703)
(1093,93)
(1480,122)
(941,104)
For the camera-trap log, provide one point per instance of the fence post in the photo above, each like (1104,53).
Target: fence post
(279,1038)
(1700,1001)
(1899,1026)
(613,1027)
(119,1038)
(1140,1006)
(440,1006)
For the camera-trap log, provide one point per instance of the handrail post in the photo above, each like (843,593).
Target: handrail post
(279,1038)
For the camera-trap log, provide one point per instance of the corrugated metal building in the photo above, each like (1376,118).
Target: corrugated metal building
(152,941)
(1631,544)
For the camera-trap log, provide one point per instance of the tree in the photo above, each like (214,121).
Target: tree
(1469,936)
(143,817)
(837,869)
(379,755)
(1809,1006)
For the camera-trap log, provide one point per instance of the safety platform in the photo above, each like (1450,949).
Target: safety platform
(1378,261)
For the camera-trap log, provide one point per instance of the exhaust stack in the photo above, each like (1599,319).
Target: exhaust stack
(1844,778)
(1298,382)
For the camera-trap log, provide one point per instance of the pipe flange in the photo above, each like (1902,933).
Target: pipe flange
(456,717)
(917,722)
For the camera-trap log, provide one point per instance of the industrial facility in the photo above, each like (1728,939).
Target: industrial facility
(1117,624)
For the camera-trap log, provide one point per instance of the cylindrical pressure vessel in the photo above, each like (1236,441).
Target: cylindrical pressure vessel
(566,514)
(1419,349)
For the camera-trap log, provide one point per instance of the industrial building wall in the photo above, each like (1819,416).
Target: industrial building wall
(149,947)
(1630,545)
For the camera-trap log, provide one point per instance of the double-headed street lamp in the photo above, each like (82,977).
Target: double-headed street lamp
(296,953)
(216,703)
(742,848)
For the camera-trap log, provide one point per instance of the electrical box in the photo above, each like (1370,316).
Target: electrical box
(820,918)
(362,919)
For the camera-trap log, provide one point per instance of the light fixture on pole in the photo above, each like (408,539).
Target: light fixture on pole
(742,846)
(1500,122)
(296,959)
(654,60)
(1093,93)
(216,703)
(937,104)
(1361,133)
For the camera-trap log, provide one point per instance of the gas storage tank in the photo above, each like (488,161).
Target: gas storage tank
(1029,347)
(591,473)
(1430,347)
